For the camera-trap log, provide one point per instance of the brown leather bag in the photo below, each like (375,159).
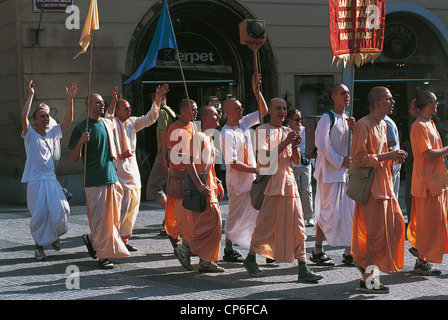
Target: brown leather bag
(175,183)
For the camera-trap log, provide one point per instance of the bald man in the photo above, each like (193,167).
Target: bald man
(279,232)
(333,208)
(103,190)
(206,231)
(428,232)
(378,226)
(126,164)
(241,166)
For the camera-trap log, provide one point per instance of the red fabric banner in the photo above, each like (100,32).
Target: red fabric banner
(356,29)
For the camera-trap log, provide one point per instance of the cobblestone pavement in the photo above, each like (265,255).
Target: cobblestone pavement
(153,272)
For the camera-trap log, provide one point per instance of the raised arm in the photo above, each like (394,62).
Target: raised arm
(26,108)
(70,93)
(256,80)
(111,109)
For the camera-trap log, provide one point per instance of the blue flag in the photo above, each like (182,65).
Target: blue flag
(163,38)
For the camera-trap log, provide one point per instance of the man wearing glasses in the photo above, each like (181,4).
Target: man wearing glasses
(127,167)
(333,208)
(378,226)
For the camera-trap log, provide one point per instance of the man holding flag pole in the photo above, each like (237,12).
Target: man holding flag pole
(103,190)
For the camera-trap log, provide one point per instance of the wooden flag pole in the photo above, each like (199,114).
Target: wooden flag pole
(260,117)
(88,104)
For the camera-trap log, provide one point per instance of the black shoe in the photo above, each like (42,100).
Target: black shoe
(413,251)
(130,247)
(105,264)
(347,259)
(232,256)
(306,275)
(86,240)
(252,268)
(321,259)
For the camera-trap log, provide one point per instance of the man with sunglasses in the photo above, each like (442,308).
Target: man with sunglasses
(333,208)
(127,127)
(378,226)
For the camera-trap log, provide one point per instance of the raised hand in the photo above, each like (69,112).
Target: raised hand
(70,93)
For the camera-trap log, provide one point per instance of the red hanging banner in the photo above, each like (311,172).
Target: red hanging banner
(356,30)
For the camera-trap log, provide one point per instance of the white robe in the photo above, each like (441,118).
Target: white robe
(333,208)
(240,221)
(45,199)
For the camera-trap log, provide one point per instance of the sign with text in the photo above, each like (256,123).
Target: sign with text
(51,5)
(356,29)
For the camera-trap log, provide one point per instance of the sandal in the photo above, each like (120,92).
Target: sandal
(381,290)
(321,259)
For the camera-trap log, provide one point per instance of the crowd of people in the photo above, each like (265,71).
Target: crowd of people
(372,233)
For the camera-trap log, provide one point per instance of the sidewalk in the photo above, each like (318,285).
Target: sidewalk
(154,273)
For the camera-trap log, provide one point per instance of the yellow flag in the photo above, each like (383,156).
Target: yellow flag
(92,23)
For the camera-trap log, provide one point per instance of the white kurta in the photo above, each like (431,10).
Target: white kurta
(237,145)
(45,199)
(333,208)
(127,169)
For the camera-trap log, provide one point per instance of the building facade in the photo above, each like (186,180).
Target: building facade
(295,63)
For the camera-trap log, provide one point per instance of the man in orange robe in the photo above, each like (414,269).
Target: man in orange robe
(378,226)
(206,232)
(428,232)
(279,232)
(178,220)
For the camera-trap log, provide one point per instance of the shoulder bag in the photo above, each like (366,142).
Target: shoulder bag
(258,187)
(193,199)
(360,180)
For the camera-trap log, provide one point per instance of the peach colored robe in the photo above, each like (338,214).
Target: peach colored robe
(178,220)
(205,239)
(378,226)
(105,227)
(428,231)
(280,229)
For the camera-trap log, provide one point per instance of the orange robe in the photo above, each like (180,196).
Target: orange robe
(279,231)
(378,226)
(178,220)
(206,234)
(428,231)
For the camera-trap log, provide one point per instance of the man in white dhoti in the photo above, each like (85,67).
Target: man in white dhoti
(241,167)
(126,164)
(45,199)
(103,190)
(333,208)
